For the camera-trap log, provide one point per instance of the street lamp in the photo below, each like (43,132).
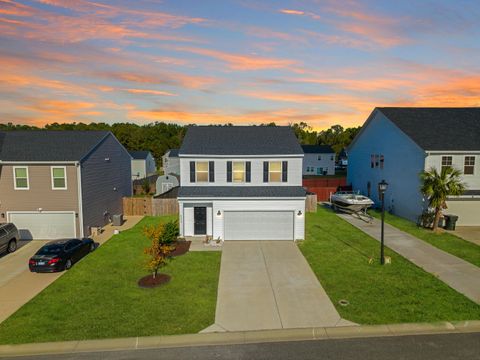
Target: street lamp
(382,187)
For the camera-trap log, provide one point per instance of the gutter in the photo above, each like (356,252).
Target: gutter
(80,198)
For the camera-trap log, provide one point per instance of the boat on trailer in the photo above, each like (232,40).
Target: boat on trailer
(350,201)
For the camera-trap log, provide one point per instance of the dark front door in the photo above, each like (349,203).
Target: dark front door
(200,220)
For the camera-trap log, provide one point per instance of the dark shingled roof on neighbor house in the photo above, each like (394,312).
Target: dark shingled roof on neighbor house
(454,129)
(240,140)
(173,153)
(241,191)
(139,154)
(41,145)
(317,149)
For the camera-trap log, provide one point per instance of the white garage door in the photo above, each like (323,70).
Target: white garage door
(468,211)
(259,225)
(44,225)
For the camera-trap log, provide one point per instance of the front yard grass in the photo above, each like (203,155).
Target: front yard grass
(444,241)
(99,296)
(339,253)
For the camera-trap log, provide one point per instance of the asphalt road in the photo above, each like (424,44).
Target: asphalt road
(438,347)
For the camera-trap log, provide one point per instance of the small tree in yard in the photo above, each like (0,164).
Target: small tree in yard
(162,237)
(146,186)
(438,186)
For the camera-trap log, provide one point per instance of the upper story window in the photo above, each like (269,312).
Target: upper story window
(238,171)
(275,171)
(377,161)
(20,178)
(201,173)
(469,167)
(446,162)
(319,157)
(59,178)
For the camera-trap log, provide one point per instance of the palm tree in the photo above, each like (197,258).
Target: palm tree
(438,186)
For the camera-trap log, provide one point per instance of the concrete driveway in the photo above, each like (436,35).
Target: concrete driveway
(17,284)
(269,285)
(469,233)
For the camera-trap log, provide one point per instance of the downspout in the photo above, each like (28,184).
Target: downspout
(80,198)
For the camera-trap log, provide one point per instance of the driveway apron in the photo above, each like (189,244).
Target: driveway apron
(269,285)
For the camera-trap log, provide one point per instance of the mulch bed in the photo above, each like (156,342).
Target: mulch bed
(150,282)
(181,247)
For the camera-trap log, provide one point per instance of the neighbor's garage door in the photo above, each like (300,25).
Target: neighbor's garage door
(258,225)
(468,211)
(44,225)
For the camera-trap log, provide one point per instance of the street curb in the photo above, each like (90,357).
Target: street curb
(239,337)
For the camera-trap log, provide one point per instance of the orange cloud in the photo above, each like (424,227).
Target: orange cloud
(292,12)
(149,92)
(241,62)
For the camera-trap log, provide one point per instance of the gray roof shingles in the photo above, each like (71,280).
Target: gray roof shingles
(48,145)
(139,154)
(317,149)
(240,140)
(173,153)
(241,191)
(454,129)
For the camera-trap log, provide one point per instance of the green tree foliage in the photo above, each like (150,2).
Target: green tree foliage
(438,186)
(337,137)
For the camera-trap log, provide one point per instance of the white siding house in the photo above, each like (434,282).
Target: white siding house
(143,164)
(241,183)
(397,144)
(171,162)
(318,160)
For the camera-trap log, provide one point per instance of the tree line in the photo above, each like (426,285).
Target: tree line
(158,137)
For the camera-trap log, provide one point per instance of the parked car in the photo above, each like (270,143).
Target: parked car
(9,237)
(60,255)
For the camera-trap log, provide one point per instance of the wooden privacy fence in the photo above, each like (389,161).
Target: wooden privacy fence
(311,203)
(323,193)
(324,182)
(147,206)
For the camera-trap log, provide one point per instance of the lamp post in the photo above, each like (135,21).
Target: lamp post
(382,187)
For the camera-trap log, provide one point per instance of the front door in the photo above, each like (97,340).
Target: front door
(200,220)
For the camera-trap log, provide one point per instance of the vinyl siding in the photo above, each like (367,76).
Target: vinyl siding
(404,160)
(294,172)
(326,162)
(171,165)
(138,169)
(104,183)
(40,194)
(458,161)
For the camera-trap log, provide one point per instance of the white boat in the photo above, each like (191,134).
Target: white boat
(350,201)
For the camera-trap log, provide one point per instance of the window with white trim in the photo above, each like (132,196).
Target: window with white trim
(469,165)
(20,178)
(446,162)
(59,178)
(238,169)
(275,171)
(201,171)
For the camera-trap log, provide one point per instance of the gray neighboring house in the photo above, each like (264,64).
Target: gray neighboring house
(318,160)
(241,183)
(396,144)
(59,184)
(171,162)
(143,164)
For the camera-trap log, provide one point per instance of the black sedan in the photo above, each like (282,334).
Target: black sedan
(60,255)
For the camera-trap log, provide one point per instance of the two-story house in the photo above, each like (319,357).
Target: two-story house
(60,184)
(171,162)
(241,183)
(143,164)
(397,144)
(318,160)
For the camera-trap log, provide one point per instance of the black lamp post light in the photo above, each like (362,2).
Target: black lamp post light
(382,187)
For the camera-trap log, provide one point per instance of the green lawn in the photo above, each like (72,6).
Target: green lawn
(99,296)
(401,292)
(445,241)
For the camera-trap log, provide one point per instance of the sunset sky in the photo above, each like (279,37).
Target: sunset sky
(227,61)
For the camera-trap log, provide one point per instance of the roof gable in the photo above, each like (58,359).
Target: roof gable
(240,140)
(42,145)
(139,154)
(436,129)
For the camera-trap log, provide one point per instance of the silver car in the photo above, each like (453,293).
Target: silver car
(9,237)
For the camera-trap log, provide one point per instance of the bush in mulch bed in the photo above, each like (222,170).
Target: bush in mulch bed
(181,247)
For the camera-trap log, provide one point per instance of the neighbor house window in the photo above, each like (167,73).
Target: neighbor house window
(372,161)
(319,157)
(20,178)
(382,161)
(201,171)
(446,162)
(275,171)
(469,167)
(238,171)
(59,178)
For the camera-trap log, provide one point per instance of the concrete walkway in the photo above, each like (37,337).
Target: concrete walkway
(269,285)
(18,285)
(455,272)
